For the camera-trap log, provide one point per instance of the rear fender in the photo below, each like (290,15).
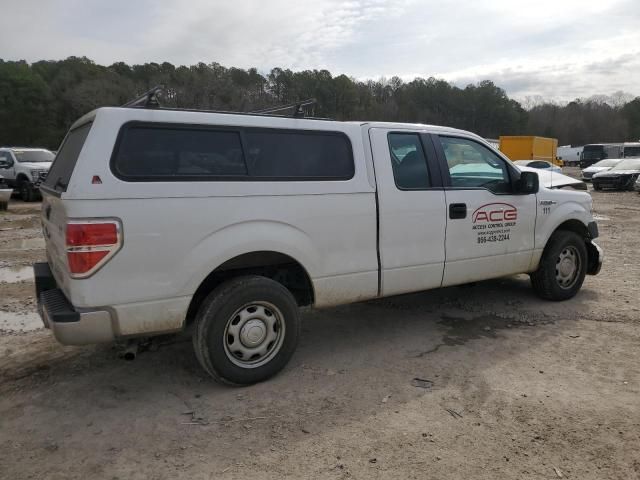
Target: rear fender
(247,237)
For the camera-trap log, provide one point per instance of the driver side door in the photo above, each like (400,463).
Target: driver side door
(490,228)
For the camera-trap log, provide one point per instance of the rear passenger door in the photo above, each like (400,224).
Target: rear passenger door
(411,209)
(490,229)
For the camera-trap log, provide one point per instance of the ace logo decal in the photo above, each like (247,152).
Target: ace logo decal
(492,222)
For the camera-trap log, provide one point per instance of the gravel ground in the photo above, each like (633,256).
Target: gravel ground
(483,382)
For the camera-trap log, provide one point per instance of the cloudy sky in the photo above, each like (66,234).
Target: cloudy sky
(558,49)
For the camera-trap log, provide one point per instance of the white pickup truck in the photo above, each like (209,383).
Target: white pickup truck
(157,219)
(24,169)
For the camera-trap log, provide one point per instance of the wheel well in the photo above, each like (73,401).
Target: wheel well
(21,177)
(575,226)
(274,265)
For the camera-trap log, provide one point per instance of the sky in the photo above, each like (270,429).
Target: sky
(555,49)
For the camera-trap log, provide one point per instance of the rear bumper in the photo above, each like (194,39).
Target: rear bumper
(70,325)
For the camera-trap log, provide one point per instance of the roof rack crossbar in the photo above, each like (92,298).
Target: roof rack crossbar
(298,108)
(149,99)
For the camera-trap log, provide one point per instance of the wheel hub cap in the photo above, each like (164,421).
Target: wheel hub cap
(253,333)
(568,267)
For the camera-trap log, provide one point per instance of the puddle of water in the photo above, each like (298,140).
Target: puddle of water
(25,244)
(20,322)
(15,274)
(601,218)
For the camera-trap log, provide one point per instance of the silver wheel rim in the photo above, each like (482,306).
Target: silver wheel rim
(254,334)
(568,267)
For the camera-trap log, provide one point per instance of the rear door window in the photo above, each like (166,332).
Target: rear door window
(65,160)
(408,161)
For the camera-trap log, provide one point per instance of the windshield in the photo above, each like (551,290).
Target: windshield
(628,164)
(607,163)
(35,156)
(632,152)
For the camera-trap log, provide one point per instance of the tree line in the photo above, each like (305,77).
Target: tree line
(39,101)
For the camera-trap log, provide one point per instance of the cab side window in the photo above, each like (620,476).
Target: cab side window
(472,165)
(408,161)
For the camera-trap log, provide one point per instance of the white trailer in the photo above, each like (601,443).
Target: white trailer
(569,155)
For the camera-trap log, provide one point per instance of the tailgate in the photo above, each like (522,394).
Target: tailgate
(54,221)
(54,214)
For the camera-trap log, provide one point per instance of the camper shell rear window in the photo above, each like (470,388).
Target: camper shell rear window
(146,152)
(67,157)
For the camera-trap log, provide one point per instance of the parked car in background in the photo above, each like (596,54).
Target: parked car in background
(601,166)
(621,177)
(541,164)
(24,169)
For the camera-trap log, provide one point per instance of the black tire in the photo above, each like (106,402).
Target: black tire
(215,320)
(27,192)
(546,281)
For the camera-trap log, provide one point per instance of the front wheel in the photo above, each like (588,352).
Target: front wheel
(27,192)
(562,268)
(246,330)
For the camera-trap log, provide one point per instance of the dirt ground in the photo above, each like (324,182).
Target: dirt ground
(482,382)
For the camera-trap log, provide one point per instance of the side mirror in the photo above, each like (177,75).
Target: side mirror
(527,183)
(5,163)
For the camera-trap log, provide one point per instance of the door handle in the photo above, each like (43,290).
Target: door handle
(457,210)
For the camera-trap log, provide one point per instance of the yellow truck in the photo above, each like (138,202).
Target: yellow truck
(530,148)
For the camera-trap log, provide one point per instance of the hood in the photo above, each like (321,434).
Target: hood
(596,169)
(616,173)
(555,180)
(36,165)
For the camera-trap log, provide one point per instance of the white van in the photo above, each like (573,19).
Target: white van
(155,219)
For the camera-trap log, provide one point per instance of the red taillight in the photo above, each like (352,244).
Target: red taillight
(90,244)
(91,234)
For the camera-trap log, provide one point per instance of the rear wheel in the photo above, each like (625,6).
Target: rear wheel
(246,330)
(562,268)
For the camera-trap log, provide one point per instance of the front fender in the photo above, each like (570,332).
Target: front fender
(246,237)
(546,224)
